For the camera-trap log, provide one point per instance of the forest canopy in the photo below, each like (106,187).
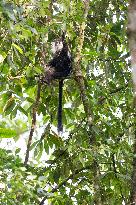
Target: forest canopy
(92,161)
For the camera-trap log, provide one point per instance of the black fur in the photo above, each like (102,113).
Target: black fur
(61,63)
(59,68)
(60,126)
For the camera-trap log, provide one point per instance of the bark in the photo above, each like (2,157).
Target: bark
(131,30)
(132,45)
(35,107)
(87,107)
(133,177)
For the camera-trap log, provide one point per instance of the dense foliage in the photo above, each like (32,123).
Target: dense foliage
(79,167)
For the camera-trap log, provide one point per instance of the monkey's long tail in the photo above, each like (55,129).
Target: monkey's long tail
(60,126)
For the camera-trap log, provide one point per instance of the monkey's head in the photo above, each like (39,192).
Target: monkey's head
(59,67)
(57,46)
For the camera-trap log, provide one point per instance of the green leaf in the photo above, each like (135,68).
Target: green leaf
(7,133)
(22,110)
(34,144)
(18,48)
(46,146)
(9,106)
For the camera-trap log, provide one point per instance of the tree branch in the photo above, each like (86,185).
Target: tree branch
(131,31)
(71,176)
(101,99)
(87,108)
(77,67)
(33,124)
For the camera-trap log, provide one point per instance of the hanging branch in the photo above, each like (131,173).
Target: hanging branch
(33,124)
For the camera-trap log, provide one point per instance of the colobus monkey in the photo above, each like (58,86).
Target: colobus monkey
(59,68)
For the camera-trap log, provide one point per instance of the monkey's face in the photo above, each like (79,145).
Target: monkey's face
(56,46)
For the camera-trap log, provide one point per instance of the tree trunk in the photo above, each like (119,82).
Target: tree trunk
(132,45)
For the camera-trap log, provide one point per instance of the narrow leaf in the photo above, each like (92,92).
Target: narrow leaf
(18,48)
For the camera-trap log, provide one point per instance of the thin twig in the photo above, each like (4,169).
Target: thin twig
(71,176)
(102,98)
(33,124)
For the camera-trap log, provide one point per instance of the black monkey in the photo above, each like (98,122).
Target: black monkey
(59,68)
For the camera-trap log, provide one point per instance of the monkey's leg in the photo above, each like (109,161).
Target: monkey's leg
(60,126)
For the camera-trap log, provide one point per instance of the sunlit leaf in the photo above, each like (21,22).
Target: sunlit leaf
(7,133)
